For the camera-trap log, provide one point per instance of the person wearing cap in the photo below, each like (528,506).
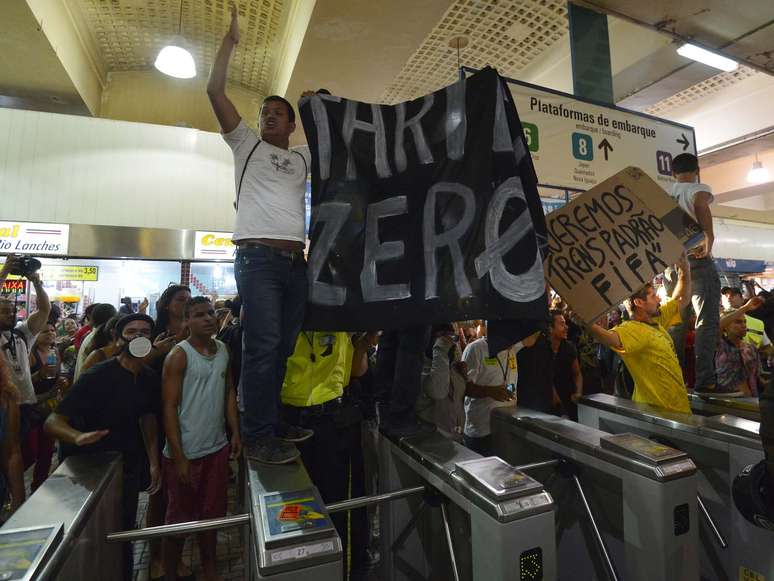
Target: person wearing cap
(110,408)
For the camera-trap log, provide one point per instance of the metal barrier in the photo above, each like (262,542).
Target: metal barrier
(626,506)
(741,407)
(81,500)
(721,446)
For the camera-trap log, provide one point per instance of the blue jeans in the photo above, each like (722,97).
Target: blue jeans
(705,285)
(399,363)
(273,289)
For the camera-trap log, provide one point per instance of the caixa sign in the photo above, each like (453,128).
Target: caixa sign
(34,238)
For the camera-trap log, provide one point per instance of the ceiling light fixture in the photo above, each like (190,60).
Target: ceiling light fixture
(708,58)
(758,174)
(173,59)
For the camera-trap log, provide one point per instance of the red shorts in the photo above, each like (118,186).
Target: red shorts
(206,496)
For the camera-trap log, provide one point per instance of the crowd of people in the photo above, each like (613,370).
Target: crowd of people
(181,394)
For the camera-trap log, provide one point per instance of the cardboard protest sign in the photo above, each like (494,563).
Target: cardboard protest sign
(423,212)
(610,241)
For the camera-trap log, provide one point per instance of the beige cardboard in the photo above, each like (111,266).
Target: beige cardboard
(613,239)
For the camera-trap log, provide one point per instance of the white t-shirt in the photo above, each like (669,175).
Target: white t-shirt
(271,200)
(485,371)
(685,192)
(19,362)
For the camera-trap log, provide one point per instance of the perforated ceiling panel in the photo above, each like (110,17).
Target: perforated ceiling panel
(128,34)
(699,90)
(506,34)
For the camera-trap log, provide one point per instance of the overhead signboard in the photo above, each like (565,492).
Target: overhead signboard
(214,246)
(576,144)
(34,238)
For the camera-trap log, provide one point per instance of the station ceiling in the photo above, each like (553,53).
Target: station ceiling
(95,57)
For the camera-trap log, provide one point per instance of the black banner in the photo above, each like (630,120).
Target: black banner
(423,212)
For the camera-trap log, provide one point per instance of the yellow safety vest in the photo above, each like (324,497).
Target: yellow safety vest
(319,369)
(755,331)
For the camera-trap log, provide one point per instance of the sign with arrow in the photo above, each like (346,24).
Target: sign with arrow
(576,144)
(606,147)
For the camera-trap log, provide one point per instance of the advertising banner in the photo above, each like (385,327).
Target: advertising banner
(34,238)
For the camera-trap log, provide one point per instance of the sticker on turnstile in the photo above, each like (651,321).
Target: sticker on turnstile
(22,549)
(301,552)
(291,511)
(513,481)
(746,574)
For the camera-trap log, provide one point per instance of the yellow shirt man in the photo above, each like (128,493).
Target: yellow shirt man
(649,354)
(319,369)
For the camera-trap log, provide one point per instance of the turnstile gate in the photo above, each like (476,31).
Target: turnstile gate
(626,506)
(481,519)
(721,446)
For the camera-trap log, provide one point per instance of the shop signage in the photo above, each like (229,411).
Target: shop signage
(422,212)
(34,238)
(17,286)
(214,246)
(50,272)
(607,243)
(576,144)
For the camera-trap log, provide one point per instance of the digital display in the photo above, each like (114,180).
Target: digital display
(531,565)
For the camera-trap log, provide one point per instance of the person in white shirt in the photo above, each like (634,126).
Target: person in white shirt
(695,198)
(491,381)
(269,267)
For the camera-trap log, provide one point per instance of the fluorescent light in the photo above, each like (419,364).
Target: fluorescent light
(175,61)
(758,174)
(711,59)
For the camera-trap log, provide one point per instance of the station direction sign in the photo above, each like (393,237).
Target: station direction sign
(576,144)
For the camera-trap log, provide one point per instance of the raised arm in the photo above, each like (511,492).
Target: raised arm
(605,336)
(728,318)
(682,290)
(37,320)
(228,116)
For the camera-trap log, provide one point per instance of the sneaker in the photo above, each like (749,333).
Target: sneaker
(272,451)
(295,434)
(713,391)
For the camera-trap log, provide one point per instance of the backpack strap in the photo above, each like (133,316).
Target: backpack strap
(244,169)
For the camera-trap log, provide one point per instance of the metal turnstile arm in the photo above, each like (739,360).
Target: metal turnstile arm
(597,535)
(449,542)
(711,523)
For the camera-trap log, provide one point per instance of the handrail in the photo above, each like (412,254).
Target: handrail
(182,528)
(186,528)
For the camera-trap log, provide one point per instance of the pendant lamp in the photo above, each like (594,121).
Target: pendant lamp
(173,59)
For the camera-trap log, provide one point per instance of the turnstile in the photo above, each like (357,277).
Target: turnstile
(292,536)
(741,407)
(721,446)
(481,519)
(626,507)
(59,532)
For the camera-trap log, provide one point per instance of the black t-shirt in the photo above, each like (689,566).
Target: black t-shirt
(540,370)
(562,369)
(535,380)
(109,397)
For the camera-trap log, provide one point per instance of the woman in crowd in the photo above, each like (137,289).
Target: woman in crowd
(170,329)
(103,346)
(11,464)
(99,316)
(85,329)
(736,360)
(45,366)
